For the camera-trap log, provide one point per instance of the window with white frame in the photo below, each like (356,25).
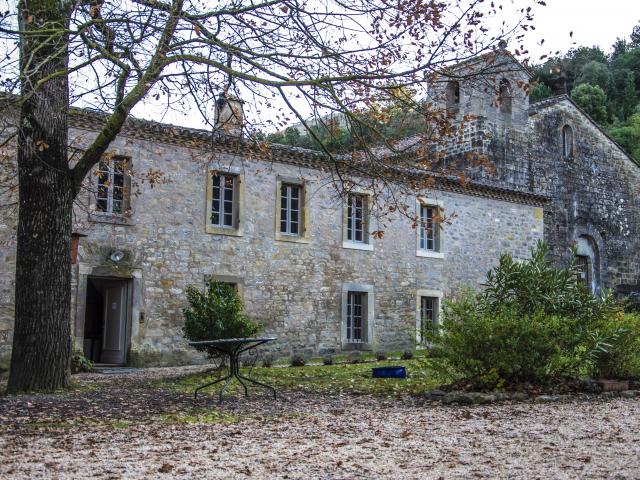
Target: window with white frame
(291,209)
(356,317)
(112,186)
(224,200)
(428,316)
(357,218)
(429,228)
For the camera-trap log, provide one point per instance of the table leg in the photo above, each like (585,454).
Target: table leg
(228,378)
(268,387)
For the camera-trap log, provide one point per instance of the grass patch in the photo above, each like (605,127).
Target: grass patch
(344,378)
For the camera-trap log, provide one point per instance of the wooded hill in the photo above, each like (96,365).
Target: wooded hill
(605,85)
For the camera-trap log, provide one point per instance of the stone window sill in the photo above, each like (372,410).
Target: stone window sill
(111,218)
(429,254)
(291,238)
(230,232)
(357,246)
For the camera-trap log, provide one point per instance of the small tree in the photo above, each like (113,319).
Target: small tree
(215,313)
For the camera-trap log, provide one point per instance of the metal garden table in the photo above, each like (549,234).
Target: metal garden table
(232,348)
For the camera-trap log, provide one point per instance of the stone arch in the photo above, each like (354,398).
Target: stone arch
(567,141)
(505,96)
(453,95)
(589,262)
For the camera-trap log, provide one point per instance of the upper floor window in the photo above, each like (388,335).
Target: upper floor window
(223,200)
(504,97)
(224,203)
(567,141)
(291,199)
(357,218)
(429,238)
(429,228)
(453,95)
(112,194)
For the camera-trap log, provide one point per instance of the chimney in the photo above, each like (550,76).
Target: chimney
(229,117)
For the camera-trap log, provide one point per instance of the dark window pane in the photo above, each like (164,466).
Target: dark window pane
(228,220)
(101,205)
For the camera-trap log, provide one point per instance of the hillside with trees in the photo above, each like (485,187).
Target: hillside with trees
(604,84)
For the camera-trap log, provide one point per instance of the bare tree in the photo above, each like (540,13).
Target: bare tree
(310,57)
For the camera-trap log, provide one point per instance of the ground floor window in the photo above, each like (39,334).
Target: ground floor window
(428,317)
(356,317)
(582,270)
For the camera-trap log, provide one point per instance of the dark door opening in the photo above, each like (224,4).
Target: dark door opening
(107,325)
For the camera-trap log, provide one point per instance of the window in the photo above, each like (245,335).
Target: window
(113,190)
(428,317)
(427,314)
(357,218)
(223,200)
(567,141)
(356,317)
(504,98)
(429,229)
(290,209)
(453,95)
(582,270)
(224,203)
(236,283)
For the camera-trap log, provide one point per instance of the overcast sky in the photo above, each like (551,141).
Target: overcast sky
(593,22)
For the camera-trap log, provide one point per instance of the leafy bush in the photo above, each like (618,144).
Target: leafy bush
(354,357)
(216,313)
(327,360)
(623,357)
(297,360)
(533,323)
(79,363)
(407,355)
(267,360)
(380,356)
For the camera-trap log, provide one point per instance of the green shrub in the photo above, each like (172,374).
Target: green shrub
(216,313)
(533,323)
(380,356)
(354,357)
(297,360)
(79,363)
(407,355)
(622,359)
(267,360)
(327,360)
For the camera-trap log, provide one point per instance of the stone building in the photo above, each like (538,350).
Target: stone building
(305,261)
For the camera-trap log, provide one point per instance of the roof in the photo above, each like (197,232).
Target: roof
(492,58)
(219,142)
(540,105)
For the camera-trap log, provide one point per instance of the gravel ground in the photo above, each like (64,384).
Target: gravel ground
(305,436)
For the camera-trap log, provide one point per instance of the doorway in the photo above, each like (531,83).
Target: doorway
(107,324)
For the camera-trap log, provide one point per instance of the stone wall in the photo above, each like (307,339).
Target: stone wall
(293,289)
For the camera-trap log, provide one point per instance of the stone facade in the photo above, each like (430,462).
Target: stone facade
(297,289)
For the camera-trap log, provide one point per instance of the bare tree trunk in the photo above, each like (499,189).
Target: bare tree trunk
(42,336)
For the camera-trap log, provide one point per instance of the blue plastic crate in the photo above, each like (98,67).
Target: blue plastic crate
(389,372)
